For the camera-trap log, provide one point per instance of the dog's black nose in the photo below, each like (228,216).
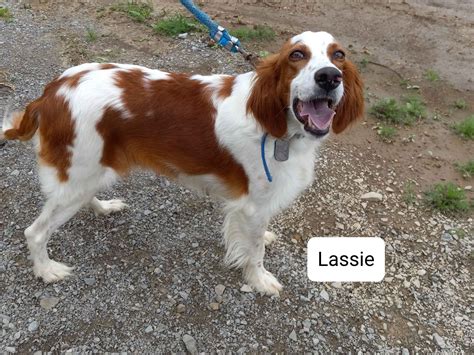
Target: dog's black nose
(328,78)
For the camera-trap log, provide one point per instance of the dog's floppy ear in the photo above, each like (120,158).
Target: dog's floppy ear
(266,102)
(352,106)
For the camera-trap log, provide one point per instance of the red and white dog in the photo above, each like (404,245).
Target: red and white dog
(96,122)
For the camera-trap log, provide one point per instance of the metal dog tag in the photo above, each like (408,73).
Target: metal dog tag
(282,150)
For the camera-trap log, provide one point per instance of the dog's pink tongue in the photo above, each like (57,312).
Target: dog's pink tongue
(318,112)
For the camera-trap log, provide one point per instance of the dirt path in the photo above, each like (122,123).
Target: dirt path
(134,269)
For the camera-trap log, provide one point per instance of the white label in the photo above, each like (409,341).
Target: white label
(346,259)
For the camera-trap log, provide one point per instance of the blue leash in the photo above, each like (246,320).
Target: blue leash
(218,33)
(264,161)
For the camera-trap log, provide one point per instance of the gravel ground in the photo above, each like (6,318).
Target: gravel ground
(151,277)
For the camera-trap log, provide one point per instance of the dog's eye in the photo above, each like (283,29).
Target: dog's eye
(297,55)
(338,55)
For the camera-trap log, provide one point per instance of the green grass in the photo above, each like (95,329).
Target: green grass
(138,12)
(255,33)
(409,194)
(386,133)
(363,63)
(406,112)
(465,128)
(5,14)
(467,169)
(432,75)
(460,104)
(447,198)
(91,35)
(176,24)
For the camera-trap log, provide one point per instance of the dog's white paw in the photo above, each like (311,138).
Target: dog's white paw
(52,271)
(269,238)
(263,281)
(108,206)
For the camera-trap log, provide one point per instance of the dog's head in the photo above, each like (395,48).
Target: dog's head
(309,82)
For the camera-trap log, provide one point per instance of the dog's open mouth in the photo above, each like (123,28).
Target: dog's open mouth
(316,115)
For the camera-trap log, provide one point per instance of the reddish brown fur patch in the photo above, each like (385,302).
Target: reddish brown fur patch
(106,66)
(271,91)
(166,133)
(56,131)
(226,88)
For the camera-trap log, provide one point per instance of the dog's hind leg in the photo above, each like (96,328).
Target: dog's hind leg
(63,201)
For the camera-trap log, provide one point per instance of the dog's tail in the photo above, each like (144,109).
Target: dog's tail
(21,125)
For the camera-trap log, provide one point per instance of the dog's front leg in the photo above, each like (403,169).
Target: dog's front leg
(244,236)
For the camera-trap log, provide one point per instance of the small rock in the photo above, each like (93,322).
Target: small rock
(421,272)
(180,308)
(468,188)
(49,303)
(447,237)
(183,35)
(336,285)
(439,340)
(372,196)
(89,281)
(33,326)
(405,351)
(246,288)
(315,341)
(293,336)
(416,282)
(147,212)
(15,173)
(214,306)
(324,295)
(339,226)
(388,189)
(219,289)
(10,349)
(149,329)
(190,344)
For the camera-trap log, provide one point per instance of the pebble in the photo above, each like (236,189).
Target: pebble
(372,196)
(324,295)
(468,188)
(421,272)
(246,288)
(15,173)
(49,303)
(219,289)
(214,306)
(439,340)
(336,285)
(183,35)
(190,344)
(33,326)
(10,349)
(388,189)
(149,329)
(447,237)
(405,351)
(293,336)
(180,308)
(89,281)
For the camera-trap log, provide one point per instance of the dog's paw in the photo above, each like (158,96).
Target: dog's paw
(108,206)
(263,281)
(52,271)
(269,238)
